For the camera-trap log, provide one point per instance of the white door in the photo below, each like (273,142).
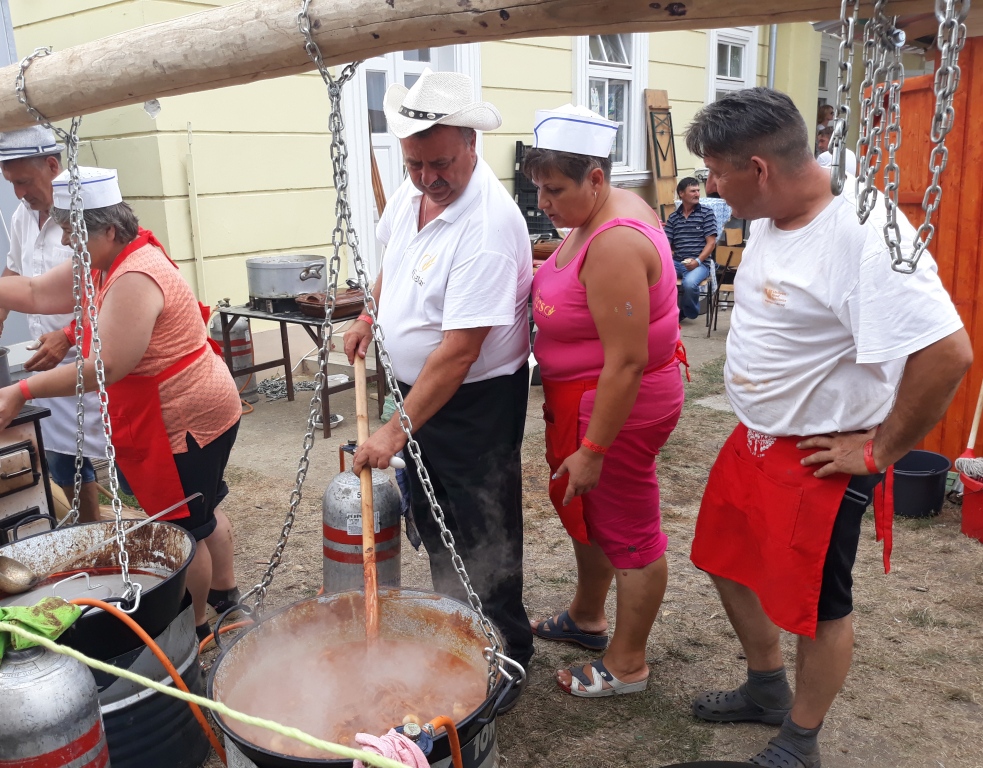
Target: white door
(381,72)
(367,127)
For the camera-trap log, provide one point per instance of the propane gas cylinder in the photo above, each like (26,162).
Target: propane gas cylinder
(51,712)
(342,507)
(241,342)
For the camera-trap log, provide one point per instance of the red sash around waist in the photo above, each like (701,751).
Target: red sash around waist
(561,412)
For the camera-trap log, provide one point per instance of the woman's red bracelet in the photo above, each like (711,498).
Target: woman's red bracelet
(365,319)
(25,390)
(869,458)
(592,446)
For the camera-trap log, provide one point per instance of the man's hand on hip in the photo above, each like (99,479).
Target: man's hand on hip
(839,452)
(379,449)
(51,350)
(357,339)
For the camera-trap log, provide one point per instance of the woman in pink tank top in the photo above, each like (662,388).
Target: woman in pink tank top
(607,334)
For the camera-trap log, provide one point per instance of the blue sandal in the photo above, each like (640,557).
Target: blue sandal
(563,629)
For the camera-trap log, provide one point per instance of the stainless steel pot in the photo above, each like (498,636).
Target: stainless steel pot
(285,277)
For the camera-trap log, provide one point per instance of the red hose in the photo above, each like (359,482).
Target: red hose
(165,662)
(228,627)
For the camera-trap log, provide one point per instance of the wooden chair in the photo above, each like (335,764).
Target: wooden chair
(728,260)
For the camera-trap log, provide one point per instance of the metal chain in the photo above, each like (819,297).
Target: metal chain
(71,518)
(338,156)
(892,139)
(872,110)
(345,231)
(841,124)
(85,294)
(951,39)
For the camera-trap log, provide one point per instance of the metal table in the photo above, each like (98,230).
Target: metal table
(312,325)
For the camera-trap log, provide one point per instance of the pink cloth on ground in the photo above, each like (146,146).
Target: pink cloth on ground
(622,512)
(393,745)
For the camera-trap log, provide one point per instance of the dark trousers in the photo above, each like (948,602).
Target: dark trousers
(472,449)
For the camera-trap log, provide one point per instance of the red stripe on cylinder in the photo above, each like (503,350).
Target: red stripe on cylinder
(64,755)
(355,558)
(339,536)
(102,759)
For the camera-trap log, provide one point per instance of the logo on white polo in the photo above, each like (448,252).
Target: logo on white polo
(426,261)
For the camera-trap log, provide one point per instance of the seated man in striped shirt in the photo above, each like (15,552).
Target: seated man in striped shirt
(692,233)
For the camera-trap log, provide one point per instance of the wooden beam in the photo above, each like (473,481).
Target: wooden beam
(258,39)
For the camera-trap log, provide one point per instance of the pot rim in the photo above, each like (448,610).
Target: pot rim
(283,262)
(491,701)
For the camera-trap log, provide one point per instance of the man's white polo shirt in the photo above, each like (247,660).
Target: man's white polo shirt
(471,267)
(33,251)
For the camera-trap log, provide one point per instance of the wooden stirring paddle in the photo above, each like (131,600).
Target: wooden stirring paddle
(368,511)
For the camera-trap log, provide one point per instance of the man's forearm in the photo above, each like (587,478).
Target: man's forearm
(442,375)
(930,380)
(707,249)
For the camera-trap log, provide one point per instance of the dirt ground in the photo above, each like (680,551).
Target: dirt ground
(914,694)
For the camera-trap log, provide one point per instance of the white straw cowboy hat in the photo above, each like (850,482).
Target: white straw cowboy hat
(437,98)
(36,141)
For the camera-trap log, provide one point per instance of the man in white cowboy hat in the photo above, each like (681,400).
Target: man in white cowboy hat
(30,160)
(452,296)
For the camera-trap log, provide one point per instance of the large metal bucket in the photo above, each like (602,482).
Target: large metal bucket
(160,548)
(412,615)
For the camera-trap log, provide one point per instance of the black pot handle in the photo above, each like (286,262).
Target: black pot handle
(518,678)
(31,519)
(244,609)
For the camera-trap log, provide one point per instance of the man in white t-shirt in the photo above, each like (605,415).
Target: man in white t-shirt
(825,157)
(30,160)
(451,296)
(827,346)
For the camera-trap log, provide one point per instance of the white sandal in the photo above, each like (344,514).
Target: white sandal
(594,688)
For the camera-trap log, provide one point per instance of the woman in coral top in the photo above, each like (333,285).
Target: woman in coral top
(173,404)
(607,335)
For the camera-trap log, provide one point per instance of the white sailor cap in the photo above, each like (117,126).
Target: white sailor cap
(36,141)
(574,129)
(100,188)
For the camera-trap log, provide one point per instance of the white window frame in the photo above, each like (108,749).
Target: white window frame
(742,36)
(635,172)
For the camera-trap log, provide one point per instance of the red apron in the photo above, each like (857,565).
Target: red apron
(561,412)
(766,522)
(143,448)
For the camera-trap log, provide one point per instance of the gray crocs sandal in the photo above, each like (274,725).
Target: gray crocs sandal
(735,707)
(781,753)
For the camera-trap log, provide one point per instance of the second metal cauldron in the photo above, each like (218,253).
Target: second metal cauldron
(159,548)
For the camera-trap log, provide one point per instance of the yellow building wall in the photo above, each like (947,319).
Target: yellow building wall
(245,171)
(797,69)
(257,154)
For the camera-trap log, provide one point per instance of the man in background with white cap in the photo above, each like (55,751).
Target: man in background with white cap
(452,296)
(30,160)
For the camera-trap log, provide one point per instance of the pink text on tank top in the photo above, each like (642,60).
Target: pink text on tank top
(567,346)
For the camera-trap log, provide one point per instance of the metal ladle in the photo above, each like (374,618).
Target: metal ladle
(15,577)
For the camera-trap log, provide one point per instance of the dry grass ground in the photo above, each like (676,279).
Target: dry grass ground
(913,698)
